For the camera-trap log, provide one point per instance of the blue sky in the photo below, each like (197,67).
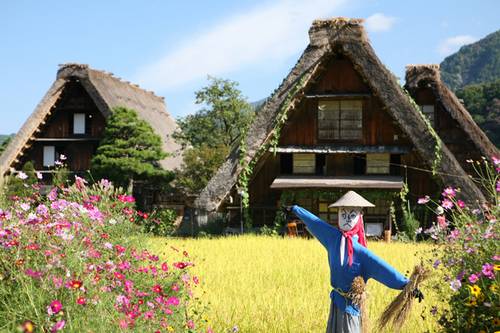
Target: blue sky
(171,46)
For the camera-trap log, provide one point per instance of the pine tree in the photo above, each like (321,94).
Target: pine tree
(130,150)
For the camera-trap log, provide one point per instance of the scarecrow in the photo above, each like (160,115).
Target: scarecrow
(352,264)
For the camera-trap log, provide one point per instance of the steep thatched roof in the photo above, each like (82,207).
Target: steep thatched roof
(429,76)
(107,92)
(346,36)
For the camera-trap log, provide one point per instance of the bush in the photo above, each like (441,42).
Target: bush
(22,184)
(160,223)
(468,257)
(73,261)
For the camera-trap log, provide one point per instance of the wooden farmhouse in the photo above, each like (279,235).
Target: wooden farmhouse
(71,117)
(340,121)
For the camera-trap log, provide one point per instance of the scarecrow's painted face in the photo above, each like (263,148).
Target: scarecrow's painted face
(348,217)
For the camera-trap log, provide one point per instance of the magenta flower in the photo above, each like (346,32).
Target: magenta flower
(52,194)
(54,307)
(488,271)
(454,234)
(424,200)
(496,161)
(58,326)
(498,186)
(447,204)
(460,204)
(33,274)
(473,278)
(449,192)
(173,301)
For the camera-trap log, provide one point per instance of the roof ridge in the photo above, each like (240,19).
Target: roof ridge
(68,69)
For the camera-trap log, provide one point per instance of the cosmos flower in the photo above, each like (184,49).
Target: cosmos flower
(447,204)
(473,278)
(423,200)
(455,285)
(21,175)
(54,307)
(449,192)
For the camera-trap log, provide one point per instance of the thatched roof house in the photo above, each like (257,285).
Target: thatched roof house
(425,85)
(72,114)
(346,38)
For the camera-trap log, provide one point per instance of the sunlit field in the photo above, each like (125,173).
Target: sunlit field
(265,284)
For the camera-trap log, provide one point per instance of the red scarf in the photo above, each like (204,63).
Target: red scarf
(359,230)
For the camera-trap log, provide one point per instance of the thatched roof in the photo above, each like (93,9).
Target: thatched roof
(327,37)
(418,76)
(107,91)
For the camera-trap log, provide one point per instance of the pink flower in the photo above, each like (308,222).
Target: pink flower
(81,300)
(54,307)
(454,234)
(52,194)
(190,324)
(449,192)
(156,288)
(473,278)
(175,287)
(164,267)
(196,280)
(149,315)
(33,274)
(423,200)
(80,182)
(39,175)
(173,301)
(447,204)
(460,204)
(498,186)
(488,271)
(58,326)
(496,161)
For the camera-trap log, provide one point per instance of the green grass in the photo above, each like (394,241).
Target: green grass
(264,284)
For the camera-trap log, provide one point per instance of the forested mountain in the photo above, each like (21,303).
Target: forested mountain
(474,74)
(475,63)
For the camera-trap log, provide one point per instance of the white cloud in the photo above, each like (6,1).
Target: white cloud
(379,22)
(268,33)
(452,44)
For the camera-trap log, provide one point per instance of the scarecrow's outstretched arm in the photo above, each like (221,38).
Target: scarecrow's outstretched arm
(323,231)
(376,268)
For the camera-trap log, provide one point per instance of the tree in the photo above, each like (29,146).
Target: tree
(224,119)
(4,144)
(210,132)
(129,150)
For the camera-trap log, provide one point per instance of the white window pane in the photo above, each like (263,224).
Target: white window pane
(378,163)
(49,154)
(304,163)
(79,123)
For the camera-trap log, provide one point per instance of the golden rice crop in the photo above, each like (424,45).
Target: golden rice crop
(271,284)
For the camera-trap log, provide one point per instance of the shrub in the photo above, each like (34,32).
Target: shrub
(161,222)
(73,261)
(468,258)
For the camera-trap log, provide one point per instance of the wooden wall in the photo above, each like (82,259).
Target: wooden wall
(448,129)
(340,77)
(59,125)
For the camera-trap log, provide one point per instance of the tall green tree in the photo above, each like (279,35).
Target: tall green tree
(4,144)
(130,150)
(210,133)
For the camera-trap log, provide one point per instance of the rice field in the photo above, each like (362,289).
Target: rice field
(267,284)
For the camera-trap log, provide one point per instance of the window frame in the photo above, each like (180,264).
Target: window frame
(84,132)
(44,156)
(340,139)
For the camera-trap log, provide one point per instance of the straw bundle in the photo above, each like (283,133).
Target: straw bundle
(397,312)
(357,294)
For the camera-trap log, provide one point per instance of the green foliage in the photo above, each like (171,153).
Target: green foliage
(226,116)
(60,175)
(214,226)
(211,132)
(18,187)
(199,165)
(130,150)
(161,222)
(475,63)
(4,142)
(467,260)
(483,102)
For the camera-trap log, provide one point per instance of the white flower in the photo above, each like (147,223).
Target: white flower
(22,175)
(39,175)
(112,221)
(62,157)
(25,206)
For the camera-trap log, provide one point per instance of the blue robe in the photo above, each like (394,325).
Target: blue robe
(364,262)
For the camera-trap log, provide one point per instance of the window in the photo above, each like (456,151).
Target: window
(49,156)
(327,214)
(428,111)
(79,123)
(304,163)
(340,120)
(286,164)
(378,163)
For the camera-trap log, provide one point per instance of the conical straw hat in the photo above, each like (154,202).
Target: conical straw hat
(352,199)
